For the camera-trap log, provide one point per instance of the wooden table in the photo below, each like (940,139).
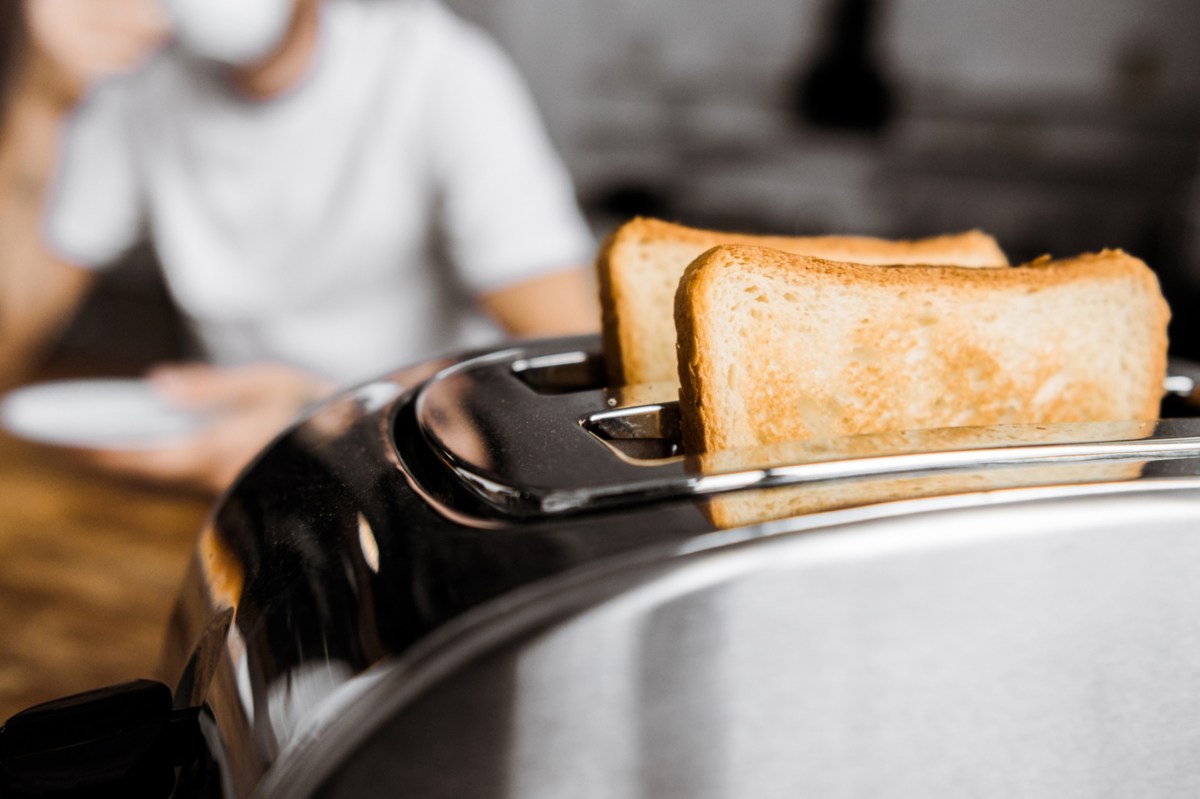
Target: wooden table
(89,569)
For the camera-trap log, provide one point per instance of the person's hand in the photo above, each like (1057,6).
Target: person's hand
(76,43)
(248,406)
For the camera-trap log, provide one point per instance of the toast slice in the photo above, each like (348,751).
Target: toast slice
(639,267)
(777,347)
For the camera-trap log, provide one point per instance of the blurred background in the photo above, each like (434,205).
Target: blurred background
(1058,127)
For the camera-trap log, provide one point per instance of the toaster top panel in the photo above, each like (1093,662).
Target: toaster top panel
(534,432)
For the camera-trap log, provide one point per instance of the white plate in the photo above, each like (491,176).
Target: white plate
(95,414)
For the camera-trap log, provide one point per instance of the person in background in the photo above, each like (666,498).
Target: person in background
(333,187)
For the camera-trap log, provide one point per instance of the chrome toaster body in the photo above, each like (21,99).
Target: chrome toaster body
(493,576)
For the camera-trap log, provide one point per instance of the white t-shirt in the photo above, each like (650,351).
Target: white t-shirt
(319,227)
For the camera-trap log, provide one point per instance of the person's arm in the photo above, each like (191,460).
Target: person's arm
(67,47)
(37,290)
(558,304)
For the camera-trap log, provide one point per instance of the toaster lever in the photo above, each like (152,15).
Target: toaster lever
(122,740)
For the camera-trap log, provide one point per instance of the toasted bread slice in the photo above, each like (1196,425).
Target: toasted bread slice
(776,347)
(639,267)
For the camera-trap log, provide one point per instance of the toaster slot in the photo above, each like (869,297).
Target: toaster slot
(641,433)
(561,373)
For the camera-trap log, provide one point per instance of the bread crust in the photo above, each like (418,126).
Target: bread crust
(988,377)
(612,330)
(636,296)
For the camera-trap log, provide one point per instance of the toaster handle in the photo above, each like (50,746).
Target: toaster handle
(122,740)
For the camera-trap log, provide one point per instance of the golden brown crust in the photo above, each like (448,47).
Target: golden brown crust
(610,319)
(978,244)
(691,341)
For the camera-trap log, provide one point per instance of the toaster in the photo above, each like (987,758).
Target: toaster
(492,575)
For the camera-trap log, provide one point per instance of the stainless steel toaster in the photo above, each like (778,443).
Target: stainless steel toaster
(495,576)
